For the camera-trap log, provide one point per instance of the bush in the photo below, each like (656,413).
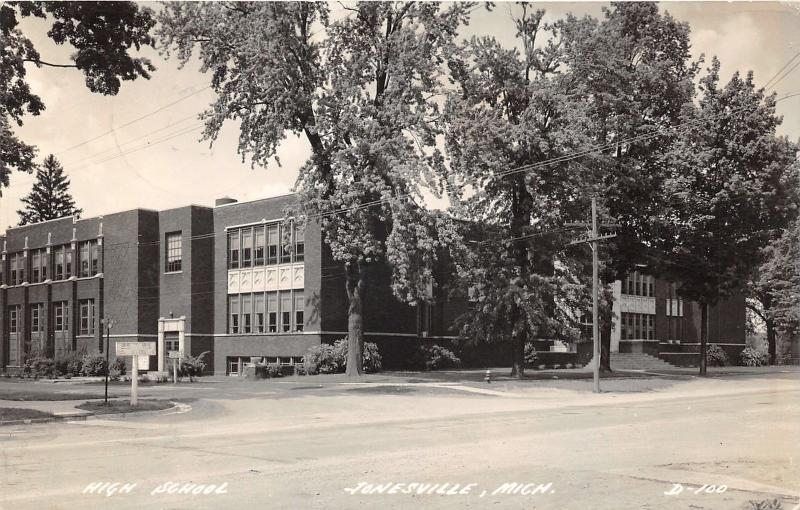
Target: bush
(40,366)
(437,357)
(193,366)
(530,355)
(70,364)
(715,356)
(93,365)
(752,358)
(331,359)
(118,369)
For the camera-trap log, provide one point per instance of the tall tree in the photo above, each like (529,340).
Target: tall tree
(731,186)
(362,90)
(50,197)
(512,109)
(634,68)
(103,35)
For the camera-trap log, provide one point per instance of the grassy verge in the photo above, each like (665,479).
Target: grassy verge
(44,396)
(15,413)
(124,406)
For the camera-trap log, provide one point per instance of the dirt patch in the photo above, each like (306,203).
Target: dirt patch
(124,406)
(16,413)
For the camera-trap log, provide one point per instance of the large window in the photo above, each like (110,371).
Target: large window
(38,265)
(173,252)
(62,268)
(261,245)
(17,268)
(272,244)
(37,317)
(258,252)
(87,323)
(233,249)
(299,244)
(270,312)
(639,284)
(61,312)
(88,254)
(13,318)
(638,326)
(247,247)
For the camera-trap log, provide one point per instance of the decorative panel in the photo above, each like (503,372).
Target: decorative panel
(233,282)
(285,277)
(271,278)
(298,276)
(246,281)
(258,280)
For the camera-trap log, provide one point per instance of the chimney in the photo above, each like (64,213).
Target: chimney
(224,201)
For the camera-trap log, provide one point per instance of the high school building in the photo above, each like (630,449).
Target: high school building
(240,281)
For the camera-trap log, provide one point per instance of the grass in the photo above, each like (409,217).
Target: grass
(124,406)
(44,396)
(16,413)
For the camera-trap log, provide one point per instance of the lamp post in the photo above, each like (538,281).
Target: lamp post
(109,323)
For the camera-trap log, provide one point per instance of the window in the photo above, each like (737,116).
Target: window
(272,311)
(58,257)
(299,245)
(258,254)
(638,284)
(247,247)
(13,319)
(638,326)
(233,249)
(38,266)
(234,314)
(62,315)
(299,306)
(286,311)
(17,268)
(272,244)
(246,313)
(173,253)
(286,247)
(87,325)
(37,317)
(259,312)
(87,258)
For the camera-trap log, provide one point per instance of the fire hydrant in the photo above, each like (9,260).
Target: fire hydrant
(488,377)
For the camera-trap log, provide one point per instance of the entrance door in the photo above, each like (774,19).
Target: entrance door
(171,343)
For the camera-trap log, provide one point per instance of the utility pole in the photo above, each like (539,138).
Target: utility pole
(592,238)
(109,323)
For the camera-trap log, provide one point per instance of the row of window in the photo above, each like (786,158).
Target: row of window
(266,312)
(60,313)
(260,245)
(638,284)
(60,260)
(234,362)
(638,326)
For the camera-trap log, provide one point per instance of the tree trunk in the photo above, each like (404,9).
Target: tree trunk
(771,340)
(355,284)
(605,346)
(517,347)
(703,336)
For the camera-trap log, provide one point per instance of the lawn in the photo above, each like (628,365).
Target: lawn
(124,406)
(16,413)
(45,396)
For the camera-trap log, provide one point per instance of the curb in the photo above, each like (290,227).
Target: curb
(88,415)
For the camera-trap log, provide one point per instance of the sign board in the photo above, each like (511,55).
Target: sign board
(174,354)
(144,362)
(136,348)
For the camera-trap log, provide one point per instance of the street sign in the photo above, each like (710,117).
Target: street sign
(136,348)
(174,354)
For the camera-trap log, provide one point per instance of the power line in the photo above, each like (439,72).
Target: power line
(137,119)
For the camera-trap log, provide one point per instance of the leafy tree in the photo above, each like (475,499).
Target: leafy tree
(779,283)
(732,184)
(511,111)
(50,198)
(362,91)
(634,68)
(102,33)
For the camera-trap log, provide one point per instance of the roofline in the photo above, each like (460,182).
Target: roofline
(255,200)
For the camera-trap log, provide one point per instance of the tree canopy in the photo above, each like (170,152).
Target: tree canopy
(50,197)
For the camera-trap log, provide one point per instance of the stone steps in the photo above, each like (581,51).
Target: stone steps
(637,361)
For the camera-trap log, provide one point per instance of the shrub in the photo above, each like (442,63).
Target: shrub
(331,359)
(193,366)
(530,355)
(93,365)
(40,366)
(715,356)
(118,369)
(70,364)
(437,357)
(752,358)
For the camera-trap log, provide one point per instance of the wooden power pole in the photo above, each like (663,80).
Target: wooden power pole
(592,238)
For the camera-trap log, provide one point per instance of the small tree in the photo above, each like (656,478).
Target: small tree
(50,197)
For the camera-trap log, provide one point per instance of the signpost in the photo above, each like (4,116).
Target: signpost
(134,350)
(175,356)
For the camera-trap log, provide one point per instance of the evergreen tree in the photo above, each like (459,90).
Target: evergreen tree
(50,198)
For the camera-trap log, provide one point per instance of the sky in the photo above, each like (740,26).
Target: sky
(142,148)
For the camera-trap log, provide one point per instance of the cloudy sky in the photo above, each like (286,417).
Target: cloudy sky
(116,162)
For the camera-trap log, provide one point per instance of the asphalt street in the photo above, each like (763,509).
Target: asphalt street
(721,443)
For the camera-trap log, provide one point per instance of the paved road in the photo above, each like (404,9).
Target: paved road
(292,446)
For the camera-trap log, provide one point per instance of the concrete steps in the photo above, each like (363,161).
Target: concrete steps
(637,361)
